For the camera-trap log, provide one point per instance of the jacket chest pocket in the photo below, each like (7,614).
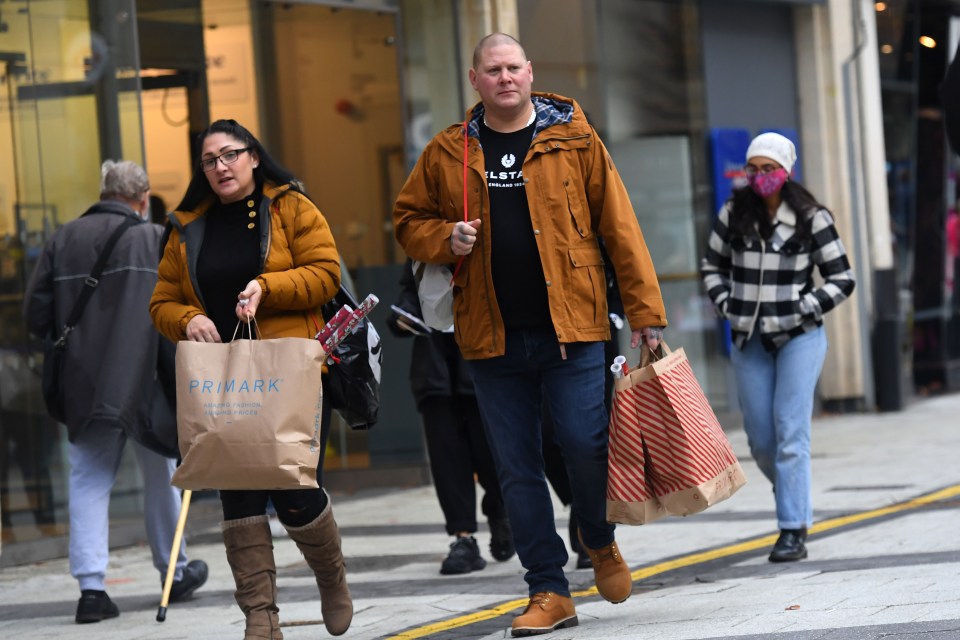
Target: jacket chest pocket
(741,244)
(792,247)
(450,193)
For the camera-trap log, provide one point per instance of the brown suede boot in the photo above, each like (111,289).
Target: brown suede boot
(610,572)
(319,542)
(250,554)
(546,612)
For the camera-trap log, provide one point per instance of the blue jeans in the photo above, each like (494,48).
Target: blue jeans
(776,396)
(510,390)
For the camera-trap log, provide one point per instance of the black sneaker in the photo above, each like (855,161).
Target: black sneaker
(95,606)
(194,576)
(501,539)
(464,557)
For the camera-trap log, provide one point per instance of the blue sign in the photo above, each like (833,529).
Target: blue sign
(728,148)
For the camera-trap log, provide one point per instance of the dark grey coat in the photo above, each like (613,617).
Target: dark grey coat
(112,354)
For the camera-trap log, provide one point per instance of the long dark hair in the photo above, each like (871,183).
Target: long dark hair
(749,214)
(268,170)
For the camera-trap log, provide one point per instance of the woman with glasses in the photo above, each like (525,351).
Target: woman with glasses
(758,270)
(247,242)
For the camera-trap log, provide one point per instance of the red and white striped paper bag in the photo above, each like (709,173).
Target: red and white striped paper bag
(668,453)
(631,498)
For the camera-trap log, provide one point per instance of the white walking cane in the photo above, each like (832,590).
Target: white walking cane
(174,554)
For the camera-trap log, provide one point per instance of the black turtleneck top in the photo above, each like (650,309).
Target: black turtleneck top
(229,259)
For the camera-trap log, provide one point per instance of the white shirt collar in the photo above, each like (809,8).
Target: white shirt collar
(785,215)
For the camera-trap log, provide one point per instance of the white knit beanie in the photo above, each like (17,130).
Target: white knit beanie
(773,146)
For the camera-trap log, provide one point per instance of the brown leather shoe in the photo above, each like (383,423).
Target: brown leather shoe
(546,612)
(610,572)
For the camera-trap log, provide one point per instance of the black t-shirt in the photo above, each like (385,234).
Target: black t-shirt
(229,259)
(515,261)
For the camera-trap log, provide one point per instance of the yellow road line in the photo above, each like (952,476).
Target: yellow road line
(686,561)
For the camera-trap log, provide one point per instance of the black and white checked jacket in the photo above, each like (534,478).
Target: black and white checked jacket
(770,282)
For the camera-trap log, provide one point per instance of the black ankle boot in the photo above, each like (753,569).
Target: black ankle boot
(790,546)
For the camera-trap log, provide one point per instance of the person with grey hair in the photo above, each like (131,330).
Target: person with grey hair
(109,366)
(125,180)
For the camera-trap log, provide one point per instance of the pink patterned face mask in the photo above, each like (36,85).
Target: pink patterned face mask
(767,184)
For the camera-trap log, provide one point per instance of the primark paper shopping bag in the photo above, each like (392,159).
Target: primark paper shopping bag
(662,420)
(248,414)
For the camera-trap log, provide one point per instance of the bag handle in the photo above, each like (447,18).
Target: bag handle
(252,328)
(91,281)
(649,356)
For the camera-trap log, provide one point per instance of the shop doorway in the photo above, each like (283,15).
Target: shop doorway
(333,104)
(174,104)
(334,108)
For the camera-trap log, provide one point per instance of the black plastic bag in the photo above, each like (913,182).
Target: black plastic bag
(158,430)
(353,378)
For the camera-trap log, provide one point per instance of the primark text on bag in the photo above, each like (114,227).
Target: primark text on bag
(248,414)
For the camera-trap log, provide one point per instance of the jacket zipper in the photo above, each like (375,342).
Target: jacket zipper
(265,220)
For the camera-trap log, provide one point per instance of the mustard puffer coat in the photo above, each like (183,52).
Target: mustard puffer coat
(299,268)
(575,195)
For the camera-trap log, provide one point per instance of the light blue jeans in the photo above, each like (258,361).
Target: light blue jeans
(776,396)
(94,461)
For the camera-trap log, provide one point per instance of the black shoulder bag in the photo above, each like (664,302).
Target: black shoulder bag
(55,348)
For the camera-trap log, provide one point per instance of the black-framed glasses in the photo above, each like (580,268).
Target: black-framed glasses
(227,157)
(751,170)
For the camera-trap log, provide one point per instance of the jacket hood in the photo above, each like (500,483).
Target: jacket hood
(556,116)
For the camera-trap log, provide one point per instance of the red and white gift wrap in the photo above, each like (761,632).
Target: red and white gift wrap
(668,453)
(343,324)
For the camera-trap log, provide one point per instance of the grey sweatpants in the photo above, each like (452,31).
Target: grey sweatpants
(94,460)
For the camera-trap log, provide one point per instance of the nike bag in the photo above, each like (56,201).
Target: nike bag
(248,414)
(668,454)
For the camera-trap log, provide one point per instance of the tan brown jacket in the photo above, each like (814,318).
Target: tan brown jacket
(299,268)
(574,193)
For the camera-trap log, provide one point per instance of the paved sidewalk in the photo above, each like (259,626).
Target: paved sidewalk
(879,566)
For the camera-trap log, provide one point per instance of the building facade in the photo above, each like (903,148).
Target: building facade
(347,93)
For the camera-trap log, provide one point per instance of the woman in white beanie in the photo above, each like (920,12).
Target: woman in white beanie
(758,271)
